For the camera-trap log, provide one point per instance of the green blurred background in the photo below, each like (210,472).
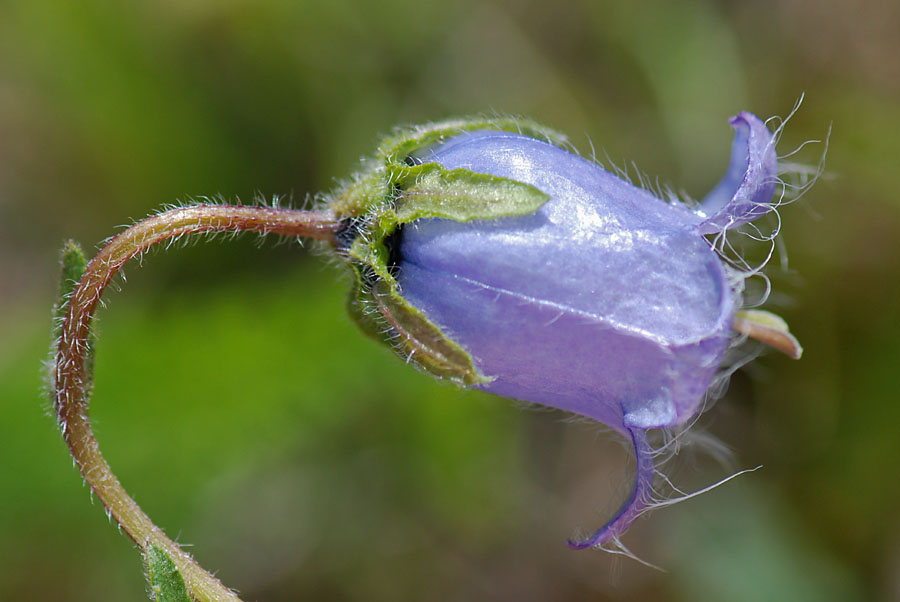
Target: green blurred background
(248,416)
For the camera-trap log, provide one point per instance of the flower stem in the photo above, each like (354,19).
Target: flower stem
(71,372)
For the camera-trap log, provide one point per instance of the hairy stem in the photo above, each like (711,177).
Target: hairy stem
(71,377)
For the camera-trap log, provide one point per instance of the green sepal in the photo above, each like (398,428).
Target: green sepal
(423,342)
(361,308)
(166,583)
(406,141)
(373,254)
(381,312)
(424,191)
(362,193)
(394,189)
(429,190)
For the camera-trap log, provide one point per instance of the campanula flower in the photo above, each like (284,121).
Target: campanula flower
(489,254)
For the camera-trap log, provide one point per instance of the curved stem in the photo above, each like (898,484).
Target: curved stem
(636,503)
(71,378)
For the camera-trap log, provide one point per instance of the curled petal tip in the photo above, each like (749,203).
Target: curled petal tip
(745,191)
(638,500)
(583,544)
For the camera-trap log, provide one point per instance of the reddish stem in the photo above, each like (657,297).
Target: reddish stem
(71,380)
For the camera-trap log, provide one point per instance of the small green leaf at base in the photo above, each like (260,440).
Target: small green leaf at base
(166,583)
(73,265)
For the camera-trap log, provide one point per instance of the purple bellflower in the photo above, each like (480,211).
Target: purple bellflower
(492,256)
(487,254)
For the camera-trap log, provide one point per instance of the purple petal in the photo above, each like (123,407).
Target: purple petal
(745,192)
(606,302)
(638,501)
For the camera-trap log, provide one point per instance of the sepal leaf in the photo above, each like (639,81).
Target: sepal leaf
(421,340)
(429,190)
(397,188)
(406,141)
(73,265)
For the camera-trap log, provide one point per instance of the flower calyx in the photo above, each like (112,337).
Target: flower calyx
(396,188)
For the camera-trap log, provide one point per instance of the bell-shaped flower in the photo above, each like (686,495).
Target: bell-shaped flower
(503,261)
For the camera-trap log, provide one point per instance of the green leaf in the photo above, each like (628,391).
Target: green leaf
(73,265)
(392,191)
(407,141)
(429,190)
(166,583)
(366,191)
(421,341)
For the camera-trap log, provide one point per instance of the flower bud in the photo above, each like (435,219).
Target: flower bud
(492,256)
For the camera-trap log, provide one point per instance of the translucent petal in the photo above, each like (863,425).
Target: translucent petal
(745,192)
(607,302)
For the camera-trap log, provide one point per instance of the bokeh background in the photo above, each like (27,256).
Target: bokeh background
(247,415)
